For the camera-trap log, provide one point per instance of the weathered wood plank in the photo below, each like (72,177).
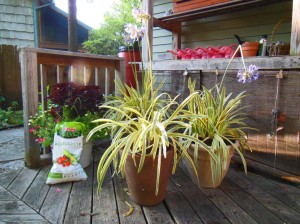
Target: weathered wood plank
(15,207)
(55,204)
(273,204)
(248,203)
(123,197)
(157,214)
(211,64)
(227,206)
(182,212)
(104,205)
(268,169)
(22,218)
(80,202)
(205,209)
(8,176)
(6,195)
(288,194)
(30,105)
(38,190)
(22,182)
(295,32)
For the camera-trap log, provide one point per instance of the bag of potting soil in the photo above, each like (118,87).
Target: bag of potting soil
(67,147)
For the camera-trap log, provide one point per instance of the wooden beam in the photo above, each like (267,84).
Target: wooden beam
(147,46)
(30,105)
(295,32)
(164,25)
(72,26)
(285,62)
(176,37)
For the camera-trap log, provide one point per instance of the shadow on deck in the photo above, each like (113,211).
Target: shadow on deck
(24,197)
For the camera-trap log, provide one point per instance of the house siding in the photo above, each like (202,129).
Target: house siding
(16,23)
(219,30)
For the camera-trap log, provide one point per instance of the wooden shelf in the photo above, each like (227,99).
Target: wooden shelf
(277,63)
(167,22)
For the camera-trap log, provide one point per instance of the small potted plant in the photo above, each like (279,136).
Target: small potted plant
(220,126)
(69,102)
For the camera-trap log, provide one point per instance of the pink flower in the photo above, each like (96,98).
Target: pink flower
(31,130)
(40,140)
(38,126)
(58,190)
(57,120)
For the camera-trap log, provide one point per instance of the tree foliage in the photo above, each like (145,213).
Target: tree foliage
(108,38)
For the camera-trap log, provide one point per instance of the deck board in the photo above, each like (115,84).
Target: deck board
(56,202)
(179,207)
(289,195)
(205,209)
(37,192)
(21,183)
(248,203)
(79,205)
(269,201)
(24,197)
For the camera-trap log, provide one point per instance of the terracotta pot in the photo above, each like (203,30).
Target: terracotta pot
(142,185)
(205,178)
(250,49)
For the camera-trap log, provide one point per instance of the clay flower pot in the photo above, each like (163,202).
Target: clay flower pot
(142,185)
(204,170)
(250,49)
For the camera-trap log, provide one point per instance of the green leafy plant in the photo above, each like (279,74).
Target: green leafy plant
(11,116)
(143,123)
(109,36)
(68,102)
(221,121)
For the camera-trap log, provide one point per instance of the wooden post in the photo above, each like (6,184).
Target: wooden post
(72,26)
(176,37)
(29,66)
(43,73)
(120,70)
(148,6)
(59,73)
(295,32)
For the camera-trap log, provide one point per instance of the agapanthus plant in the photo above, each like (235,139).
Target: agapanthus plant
(245,75)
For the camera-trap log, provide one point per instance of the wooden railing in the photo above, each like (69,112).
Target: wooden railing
(41,67)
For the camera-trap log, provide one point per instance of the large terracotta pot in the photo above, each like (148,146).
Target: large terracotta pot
(142,185)
(205,178)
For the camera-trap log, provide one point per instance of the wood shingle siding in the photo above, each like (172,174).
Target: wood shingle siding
(16,23)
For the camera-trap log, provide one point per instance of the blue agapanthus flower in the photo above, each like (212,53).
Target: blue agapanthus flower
(248,75)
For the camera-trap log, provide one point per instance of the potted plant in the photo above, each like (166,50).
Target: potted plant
(220,126)
(147,136)
(69,102)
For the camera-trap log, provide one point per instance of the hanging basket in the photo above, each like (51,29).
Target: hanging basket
(278,48)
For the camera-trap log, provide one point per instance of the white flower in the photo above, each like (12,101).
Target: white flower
(140,15)
(135,32)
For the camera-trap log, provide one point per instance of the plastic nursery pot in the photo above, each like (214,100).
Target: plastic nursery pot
(131,55)
(142,185)
(250,49)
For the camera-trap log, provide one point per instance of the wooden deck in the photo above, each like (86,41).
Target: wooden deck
(24,197)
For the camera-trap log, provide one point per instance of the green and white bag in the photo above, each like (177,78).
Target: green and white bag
(67,147)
